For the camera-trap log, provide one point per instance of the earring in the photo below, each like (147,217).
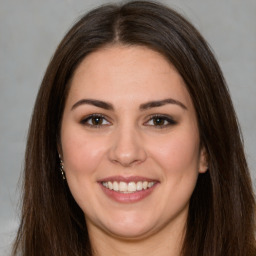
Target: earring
(62,169)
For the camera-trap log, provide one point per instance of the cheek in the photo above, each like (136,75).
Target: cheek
(81,153)
(179,152)
(178,158)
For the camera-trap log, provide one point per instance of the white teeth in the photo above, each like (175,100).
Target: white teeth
(115,186)
(123,186)
(110,185)
(150,184)
(128,187)
(131,187)
(105,184)
(139,186)
(145,184)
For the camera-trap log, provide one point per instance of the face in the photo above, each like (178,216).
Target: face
(130,142)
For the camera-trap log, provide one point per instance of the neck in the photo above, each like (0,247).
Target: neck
(165,243)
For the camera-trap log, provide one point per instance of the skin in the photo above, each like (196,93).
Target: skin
(130,142)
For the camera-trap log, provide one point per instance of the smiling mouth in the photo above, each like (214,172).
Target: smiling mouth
(128,187)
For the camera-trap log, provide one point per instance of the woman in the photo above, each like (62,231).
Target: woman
(134,147)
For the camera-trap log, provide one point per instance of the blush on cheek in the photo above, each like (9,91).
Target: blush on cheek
(179,152)
(82,158)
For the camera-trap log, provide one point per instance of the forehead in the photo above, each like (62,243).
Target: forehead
(127,72)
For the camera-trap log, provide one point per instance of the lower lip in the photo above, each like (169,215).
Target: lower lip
(128,197)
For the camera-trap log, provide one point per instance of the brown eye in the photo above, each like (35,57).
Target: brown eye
(95,120)
(160,121)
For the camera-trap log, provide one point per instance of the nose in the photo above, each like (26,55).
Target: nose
(127,147)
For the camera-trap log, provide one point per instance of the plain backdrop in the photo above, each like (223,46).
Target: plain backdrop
(30,31)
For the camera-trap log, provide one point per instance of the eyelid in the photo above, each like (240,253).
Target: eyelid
(84,120)
(165,117)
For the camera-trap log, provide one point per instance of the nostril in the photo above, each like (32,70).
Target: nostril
(127,148)
(128,157)
(126,163)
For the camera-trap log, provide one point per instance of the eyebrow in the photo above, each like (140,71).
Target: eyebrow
(159,103)
(97,103)
(144,106)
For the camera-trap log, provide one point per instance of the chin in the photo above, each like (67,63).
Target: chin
(130,233)
(130,227)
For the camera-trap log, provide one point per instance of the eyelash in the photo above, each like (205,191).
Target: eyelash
(86,120)
(152,118)
(170,121)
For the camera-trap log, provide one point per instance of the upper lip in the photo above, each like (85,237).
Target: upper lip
(126,179)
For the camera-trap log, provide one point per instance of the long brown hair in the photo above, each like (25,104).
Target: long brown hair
(221,218)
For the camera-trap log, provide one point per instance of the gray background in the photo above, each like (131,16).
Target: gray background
(29,34)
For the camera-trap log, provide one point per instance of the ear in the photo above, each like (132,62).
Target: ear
(203,161)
